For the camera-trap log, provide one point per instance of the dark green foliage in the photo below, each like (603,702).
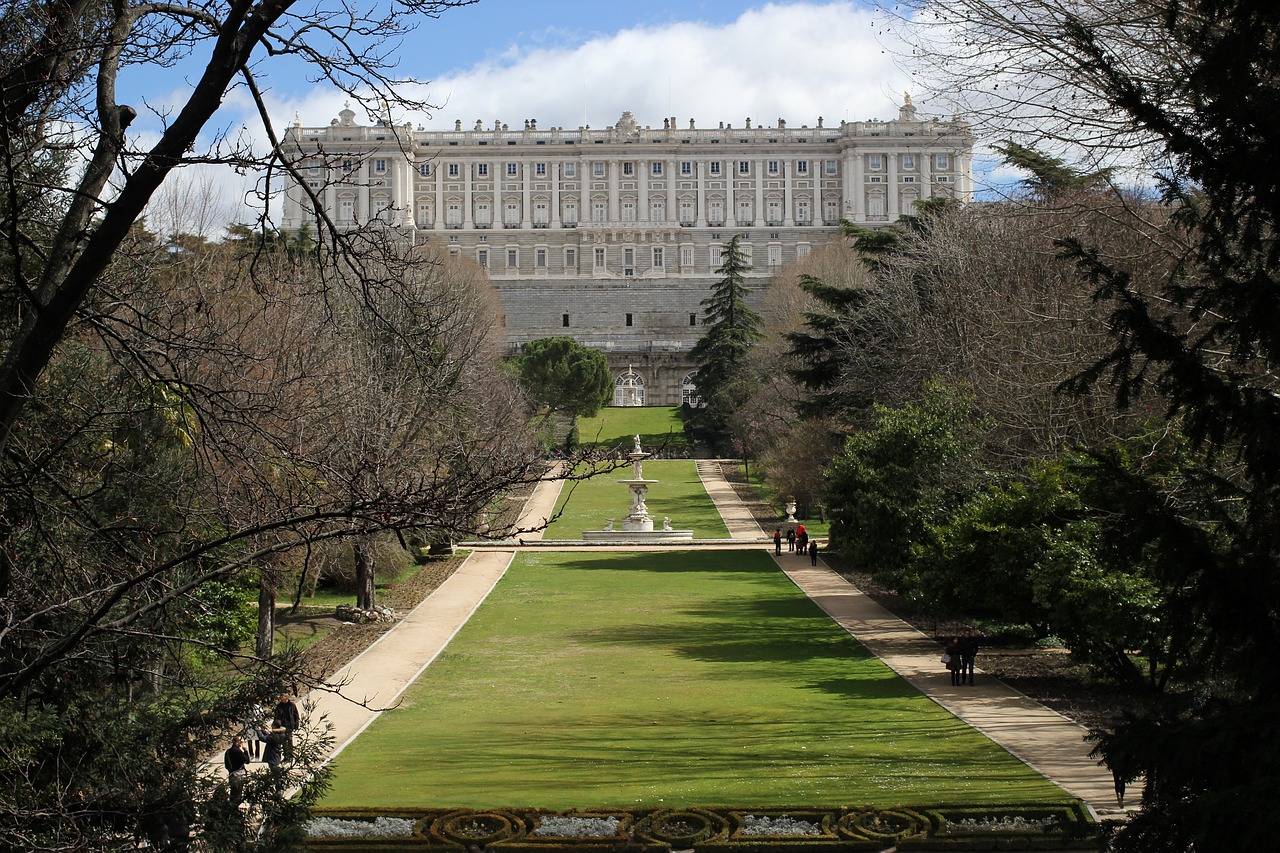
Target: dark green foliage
(855,337)
(1209,344)
(732,328)
(1050,176)
(822,349)
(911,467)
(565,376)
(875,244)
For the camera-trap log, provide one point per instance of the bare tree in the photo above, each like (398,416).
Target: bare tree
(986,301)
(1014,68)
(171,422)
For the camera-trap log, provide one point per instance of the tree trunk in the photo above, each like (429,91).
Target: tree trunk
(268,581)
(364,574)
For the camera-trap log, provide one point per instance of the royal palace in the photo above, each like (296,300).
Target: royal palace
(613,235)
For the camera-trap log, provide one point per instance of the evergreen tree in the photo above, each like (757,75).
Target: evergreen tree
(1049,176)
(855,325)
(732,329)
(565,376)
(1196,83)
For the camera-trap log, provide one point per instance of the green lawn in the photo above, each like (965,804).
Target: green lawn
(673,678)
(619,426)
(678,494)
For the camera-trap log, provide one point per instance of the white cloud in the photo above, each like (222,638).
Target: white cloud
(794,61)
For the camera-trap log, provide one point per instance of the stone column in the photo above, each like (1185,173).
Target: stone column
(757,215)
(556,179)
(672,172)
(614,214)
(788,196)
(526,196)
(857,184)
(891,191)
(642,191)
(701,168)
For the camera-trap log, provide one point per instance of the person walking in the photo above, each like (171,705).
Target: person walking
(254,723)
(235,759)
(287,719)
(777,541)
(813,553)
(791,539)
(951,659)
(968,652)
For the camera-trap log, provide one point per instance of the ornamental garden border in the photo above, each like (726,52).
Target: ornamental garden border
(1065,826)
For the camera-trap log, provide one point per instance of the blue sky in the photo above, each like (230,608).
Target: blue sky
(574,62)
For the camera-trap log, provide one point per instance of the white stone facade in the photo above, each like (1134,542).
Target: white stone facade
(613,235)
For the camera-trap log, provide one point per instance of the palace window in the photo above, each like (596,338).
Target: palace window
(513,169)
(657,257)
(715,167)
(453,170)
(628,168)
(802,167)
(744,167)
(908,161)
(597,169)
(540,170)
(570,169)
(513,258)
(686,167)
(655,168)
(425,170)
(942,161)
(689,395)
(482,170)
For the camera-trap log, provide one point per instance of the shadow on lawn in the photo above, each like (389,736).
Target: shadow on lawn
(785,632)
(751,562)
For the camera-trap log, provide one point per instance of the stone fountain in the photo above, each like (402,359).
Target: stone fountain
(638,524)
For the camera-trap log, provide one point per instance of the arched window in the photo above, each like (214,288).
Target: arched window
(689,395)
(628,389)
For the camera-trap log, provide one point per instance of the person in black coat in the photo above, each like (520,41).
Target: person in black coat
(286,717)
(968,651)
(235,759)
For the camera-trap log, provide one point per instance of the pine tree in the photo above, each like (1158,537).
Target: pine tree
(732,329)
